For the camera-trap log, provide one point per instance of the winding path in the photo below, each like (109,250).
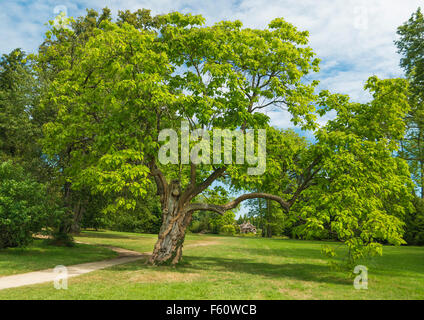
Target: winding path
(48,275)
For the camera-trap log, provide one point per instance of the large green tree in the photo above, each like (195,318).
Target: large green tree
(120,88)
(115,92)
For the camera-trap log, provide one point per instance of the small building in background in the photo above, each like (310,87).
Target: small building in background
(247,227)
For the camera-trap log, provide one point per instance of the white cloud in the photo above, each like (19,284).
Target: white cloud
(353,38)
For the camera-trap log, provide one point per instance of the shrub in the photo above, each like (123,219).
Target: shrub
(228,229)
(61,239)
(24,206)
(250,235)
(217,222)
(199,226)
(210,222)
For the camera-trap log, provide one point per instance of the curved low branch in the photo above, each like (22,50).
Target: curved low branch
(221,209)
(204,207)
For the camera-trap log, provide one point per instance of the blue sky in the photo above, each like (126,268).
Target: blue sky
(353,38)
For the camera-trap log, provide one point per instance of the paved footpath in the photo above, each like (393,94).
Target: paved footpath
(48,275)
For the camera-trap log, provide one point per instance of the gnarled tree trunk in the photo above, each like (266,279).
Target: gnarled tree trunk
(168,248)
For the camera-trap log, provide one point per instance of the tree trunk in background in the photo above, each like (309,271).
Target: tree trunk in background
(268,219)
(262,215)
(75,227)
(421,161)
(76,209)
(64,224)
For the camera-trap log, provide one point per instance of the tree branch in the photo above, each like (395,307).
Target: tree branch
(192,174)
(206,183)
(221,209)
(161,183)
(309,175)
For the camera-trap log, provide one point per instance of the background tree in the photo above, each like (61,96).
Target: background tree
(20,131)
(285,151)
(349,185)
(211,221)
(18,98)
(362,191)
(414,233)
(410,46)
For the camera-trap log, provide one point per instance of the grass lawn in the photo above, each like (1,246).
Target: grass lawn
(40,255)
(237,268)
(131,241)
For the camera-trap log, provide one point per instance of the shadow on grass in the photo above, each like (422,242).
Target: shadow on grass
(297,271)
(94,234)
(398,263)
(304,253)
(38,247)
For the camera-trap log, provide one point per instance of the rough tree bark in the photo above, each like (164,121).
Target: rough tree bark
(169,247)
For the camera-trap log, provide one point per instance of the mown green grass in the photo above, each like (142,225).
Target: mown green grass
(237,268)
(40,255)
(127,240)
